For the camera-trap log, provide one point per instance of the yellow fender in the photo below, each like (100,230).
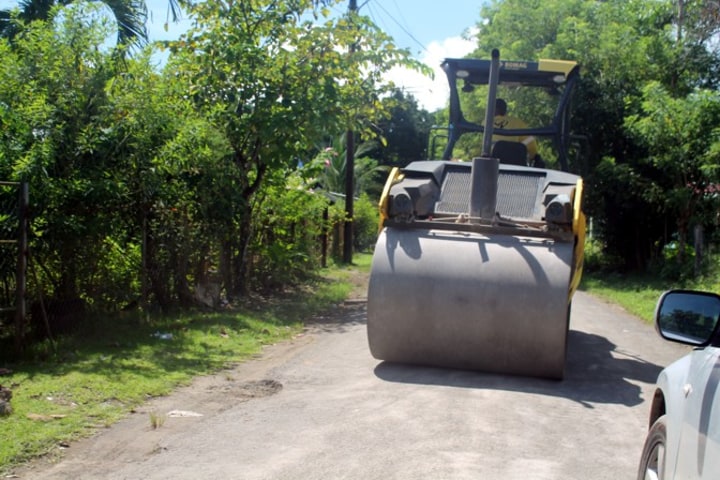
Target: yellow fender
(579,227)
(394,177)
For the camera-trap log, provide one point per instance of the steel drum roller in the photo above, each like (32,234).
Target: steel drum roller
(495,303)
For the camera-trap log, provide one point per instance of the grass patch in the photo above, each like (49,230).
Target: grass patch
(639,293)
(89,381)
(352,277)
(636,294)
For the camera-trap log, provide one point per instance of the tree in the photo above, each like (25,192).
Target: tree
(273,81)
(405,131)
(130,16)
(53,98)
(682,138)
(331,168)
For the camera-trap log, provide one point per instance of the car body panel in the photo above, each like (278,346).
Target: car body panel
(699,449)
(670,383)
(688,390)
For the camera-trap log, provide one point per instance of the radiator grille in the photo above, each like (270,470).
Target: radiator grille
(454,193)
(518,193)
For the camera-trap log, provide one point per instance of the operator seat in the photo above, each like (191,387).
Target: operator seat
(511,153)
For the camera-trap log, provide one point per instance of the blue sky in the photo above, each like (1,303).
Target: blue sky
(417,24)
(413,23)
(430,29)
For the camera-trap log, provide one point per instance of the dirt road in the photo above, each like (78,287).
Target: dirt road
(320,407)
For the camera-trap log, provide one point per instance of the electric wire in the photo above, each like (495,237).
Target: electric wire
(400,25)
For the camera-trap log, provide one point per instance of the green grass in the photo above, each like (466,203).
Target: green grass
(87,382)
(638,294)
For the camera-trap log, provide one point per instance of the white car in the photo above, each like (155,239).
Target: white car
(684,437)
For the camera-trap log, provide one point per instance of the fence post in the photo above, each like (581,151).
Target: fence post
(21,270)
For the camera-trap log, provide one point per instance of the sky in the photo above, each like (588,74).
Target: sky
(430,29)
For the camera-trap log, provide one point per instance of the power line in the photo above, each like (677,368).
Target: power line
(400,13)
(400,25)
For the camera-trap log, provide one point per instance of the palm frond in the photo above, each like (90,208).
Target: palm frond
(131,17)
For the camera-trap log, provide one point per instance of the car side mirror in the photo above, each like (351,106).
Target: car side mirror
(688,317)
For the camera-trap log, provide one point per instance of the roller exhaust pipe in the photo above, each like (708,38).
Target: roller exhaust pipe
(483,188)
(485,170)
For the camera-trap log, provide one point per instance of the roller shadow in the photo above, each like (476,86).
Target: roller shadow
(343,318)
(595,372)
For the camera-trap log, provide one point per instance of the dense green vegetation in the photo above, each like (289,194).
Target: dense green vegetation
(149,184)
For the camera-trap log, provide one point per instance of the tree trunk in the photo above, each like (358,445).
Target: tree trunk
(226,270)
(242,261)
(699,248)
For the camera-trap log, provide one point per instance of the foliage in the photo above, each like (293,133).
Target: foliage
(290,223)
(366,219)
(328,172)
(624,218)
(331,167)
(596,258)
(56,93)
(683,145)
(149,186)
(130,17)
(406,131)
(277,84)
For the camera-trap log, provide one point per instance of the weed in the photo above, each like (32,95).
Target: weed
(157,420)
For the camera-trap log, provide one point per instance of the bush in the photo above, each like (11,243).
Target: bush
(365,224)
(288,228)
(597,259)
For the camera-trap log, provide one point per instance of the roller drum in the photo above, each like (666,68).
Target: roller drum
(494,303)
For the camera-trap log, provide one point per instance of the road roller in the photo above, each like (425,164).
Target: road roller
(477,261)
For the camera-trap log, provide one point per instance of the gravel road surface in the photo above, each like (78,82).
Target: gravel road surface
(320,407)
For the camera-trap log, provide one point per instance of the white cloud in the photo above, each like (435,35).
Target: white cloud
(432,94)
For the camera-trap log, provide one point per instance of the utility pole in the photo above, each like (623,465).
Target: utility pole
(349,172)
